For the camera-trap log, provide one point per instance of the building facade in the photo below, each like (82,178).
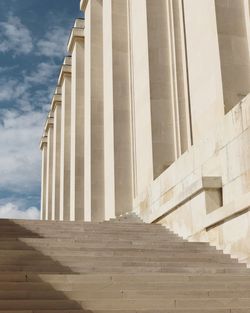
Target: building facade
(151,114)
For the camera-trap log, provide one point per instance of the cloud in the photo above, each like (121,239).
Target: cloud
(15,37)
(11,211)
(12,89)
(20,160)
(54,43)
(6,69)
(43,74)
(32,89)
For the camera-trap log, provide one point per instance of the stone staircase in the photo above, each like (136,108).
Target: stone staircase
(121,266)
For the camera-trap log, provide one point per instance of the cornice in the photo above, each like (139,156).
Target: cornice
(83,5)
(76,34)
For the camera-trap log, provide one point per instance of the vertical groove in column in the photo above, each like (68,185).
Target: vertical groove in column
(132,103)
(186,69)
(182,101)
(173,79)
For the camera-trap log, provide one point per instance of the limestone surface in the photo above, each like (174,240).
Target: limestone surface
(122,265)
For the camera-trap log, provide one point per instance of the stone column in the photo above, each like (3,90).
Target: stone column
(140,96)
(49,129)
(117,113)
(109,162)
(204,70)
(56,109)
(76,49)
(93,119)
(233,26)
(43,148)
(164,113)
(65,83)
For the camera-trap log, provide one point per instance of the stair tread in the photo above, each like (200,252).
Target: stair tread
(119,266)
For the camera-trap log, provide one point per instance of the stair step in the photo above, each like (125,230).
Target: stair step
(38,304)
(85,257)
(148,304)
(120,293)
(46,311)
(134,311)
(48,294)
(142,278)
(118,266)
(116,293)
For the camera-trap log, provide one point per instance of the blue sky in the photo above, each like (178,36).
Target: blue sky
(33,38)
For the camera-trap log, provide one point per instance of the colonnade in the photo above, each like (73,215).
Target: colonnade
(143,82)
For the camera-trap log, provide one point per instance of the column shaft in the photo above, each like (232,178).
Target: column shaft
(43,180)
(140,97)
(94,147)
(77,139)
(234,40)
(163,87)
(56,162)
(87,117)
(109,163)
(65,147)
(117,113)
(203,60)
(50,135)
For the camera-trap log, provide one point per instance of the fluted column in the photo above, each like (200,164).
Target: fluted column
(49,129)
(164,112)
(117,113)
(65,83)
(93,119)
(43,148)
(233,26)
(56,109)
(140,97)
(204,70)
(76,49)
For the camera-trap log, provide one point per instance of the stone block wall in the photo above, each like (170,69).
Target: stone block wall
(205,194)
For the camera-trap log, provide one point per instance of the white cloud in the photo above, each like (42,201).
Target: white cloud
(6,69)
(11,211)
(20,156)
(15,37)
(54,43)
(12,89)
(43,73)
(22,92)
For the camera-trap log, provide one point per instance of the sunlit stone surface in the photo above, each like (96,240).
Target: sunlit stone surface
(155,119)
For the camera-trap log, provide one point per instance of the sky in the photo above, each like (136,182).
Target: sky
(33,40)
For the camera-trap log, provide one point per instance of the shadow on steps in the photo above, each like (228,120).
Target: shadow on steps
(114,266)
(21,268)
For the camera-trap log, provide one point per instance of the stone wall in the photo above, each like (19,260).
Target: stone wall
(205,194)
